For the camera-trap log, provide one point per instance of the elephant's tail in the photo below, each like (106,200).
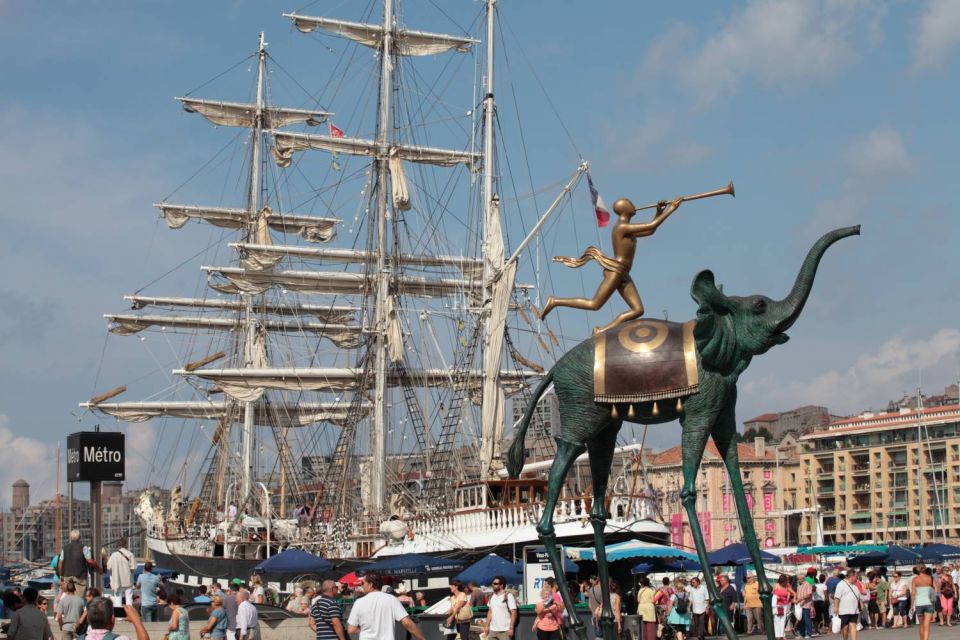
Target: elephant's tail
(515,453)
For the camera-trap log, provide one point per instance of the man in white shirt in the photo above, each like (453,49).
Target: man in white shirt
(375,614)
(847,600)
(699,601)
(248,625)
(501,612)
(120,566)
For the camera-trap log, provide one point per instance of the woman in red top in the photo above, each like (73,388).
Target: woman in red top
(783,597)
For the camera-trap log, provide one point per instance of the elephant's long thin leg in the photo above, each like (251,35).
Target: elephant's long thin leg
(601,457)
(724,436)
(693,441)
(567,452)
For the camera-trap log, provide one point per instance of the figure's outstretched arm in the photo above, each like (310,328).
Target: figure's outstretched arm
(664,210)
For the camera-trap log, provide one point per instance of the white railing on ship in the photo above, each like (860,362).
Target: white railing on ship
(497,518)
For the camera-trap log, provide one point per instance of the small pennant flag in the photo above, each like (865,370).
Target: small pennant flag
(335,132)
(603,214)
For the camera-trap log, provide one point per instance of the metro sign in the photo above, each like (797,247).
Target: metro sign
(95,456)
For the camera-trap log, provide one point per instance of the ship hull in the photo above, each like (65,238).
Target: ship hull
(196,568)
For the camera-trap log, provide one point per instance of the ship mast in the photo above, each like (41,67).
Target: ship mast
(251,324)
(378,442)
(489,106)
(492,265)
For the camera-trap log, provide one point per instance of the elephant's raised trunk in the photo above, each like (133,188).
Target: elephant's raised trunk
(786,311)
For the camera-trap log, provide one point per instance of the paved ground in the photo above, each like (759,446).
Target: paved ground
(911,633)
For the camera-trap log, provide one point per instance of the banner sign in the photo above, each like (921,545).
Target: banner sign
(676,529)
(536,568)
(768,501)
(705,519)
(95,456)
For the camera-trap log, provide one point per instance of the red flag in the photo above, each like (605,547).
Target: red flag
(603,214)
(335,131)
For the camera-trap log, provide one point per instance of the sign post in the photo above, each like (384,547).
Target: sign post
(95,456)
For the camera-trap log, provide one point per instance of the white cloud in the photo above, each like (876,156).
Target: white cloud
(27,458)
(876,377)
(870,165)
(772,41)
(656,145)
(879,155)
(938,33)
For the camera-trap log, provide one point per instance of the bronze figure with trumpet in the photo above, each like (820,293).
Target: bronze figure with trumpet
(616,270)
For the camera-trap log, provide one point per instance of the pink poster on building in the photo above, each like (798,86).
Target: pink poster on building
(727,502)
(768,474)
(769,526)
(750,502)
(768,501)
(676,529)
(704,519)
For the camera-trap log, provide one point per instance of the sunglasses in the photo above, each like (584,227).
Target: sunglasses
(496,584)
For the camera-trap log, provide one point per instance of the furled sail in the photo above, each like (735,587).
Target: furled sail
(405,42)
(247,384)
(394,331)
(285,144)
(342,335)
(493,415)
(263,238)
(301,414)
(329,283)
(334,314)
(471,268)
(310,228)
(238,114)
(398,184)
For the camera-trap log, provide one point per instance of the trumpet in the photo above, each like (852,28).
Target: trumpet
(708,194)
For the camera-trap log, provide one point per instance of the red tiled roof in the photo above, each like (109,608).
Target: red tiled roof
(766,417)
(674,455)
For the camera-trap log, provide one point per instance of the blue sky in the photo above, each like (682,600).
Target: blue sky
(824,114)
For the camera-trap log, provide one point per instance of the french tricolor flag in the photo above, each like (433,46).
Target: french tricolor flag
(603,214)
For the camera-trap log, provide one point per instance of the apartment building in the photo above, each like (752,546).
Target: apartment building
(890,477)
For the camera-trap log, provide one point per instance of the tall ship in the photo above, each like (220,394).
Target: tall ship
(353,358)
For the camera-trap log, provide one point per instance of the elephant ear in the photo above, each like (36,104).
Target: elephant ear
(706,294)
(713,330)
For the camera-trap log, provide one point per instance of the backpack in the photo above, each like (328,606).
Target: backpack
(681,605)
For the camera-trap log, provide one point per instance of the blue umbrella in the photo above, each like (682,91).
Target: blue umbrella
(938,551)
(736,554)
(663,566)
(484,570)
(293,562)
(412,564)
(632,549)
(894,555)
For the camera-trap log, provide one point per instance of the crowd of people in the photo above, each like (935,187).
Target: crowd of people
(804,606)
(81,615)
